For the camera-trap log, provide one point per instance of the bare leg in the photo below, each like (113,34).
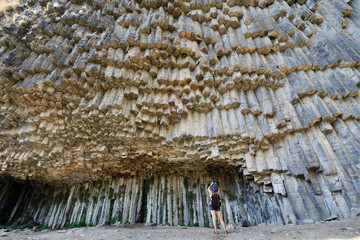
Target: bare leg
(214,219)
(221,220)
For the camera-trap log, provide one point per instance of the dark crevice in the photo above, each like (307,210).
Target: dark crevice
(142,213)
(10,200)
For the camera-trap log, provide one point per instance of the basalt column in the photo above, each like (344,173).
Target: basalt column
(123,110)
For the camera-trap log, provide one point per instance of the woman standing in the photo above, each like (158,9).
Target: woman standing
(215,203)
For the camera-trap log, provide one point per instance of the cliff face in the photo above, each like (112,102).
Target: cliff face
(124,110)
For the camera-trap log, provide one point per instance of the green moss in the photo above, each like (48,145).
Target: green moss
(95,199)
(241,199)
(20,226)
(120,216)
(148,182)
(111,193)
(58,199)
(110,221)
(26,53)
(81,223)
(102,198)
(22,51)
(166,214)
(186,182)
(66,195)
(43,227)
(277,211)
(83,215)
(191,212)
(91,216)
(182,212)
(191,196)
(81,195)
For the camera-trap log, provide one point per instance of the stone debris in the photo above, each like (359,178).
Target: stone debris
(4,234)
(306,221)
(123,110)
(230,226)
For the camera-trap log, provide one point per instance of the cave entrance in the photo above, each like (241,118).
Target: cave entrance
(9,201)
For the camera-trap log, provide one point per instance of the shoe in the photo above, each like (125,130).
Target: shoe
(226,232)
(216,233)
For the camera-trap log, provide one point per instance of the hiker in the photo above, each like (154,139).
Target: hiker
(215,204)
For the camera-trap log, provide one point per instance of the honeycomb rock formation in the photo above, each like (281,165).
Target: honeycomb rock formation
(122,110)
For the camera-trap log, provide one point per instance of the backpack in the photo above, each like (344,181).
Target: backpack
(215,200)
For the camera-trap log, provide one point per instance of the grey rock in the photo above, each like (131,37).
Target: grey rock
(4,234)
(118,224)
(231,226)
(331,218)
(306,221)
(150,224)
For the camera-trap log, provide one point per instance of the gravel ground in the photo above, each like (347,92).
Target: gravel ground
(344,229)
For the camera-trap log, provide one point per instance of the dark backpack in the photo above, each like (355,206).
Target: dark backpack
(215,200)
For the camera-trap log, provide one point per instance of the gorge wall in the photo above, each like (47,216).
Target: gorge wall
(124,110)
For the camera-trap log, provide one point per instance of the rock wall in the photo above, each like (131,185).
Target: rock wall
(169,200)
(263,93)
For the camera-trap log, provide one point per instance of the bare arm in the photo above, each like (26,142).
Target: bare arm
(210,192)
(209,189)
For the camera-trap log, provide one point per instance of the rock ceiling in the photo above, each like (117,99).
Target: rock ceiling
(95,88)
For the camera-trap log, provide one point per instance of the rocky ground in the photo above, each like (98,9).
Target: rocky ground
(344,229)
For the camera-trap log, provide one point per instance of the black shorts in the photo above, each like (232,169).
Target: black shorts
(217,209)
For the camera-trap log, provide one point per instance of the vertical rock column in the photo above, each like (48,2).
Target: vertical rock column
(169,200)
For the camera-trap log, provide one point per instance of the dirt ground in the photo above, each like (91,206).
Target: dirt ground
(344,229)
